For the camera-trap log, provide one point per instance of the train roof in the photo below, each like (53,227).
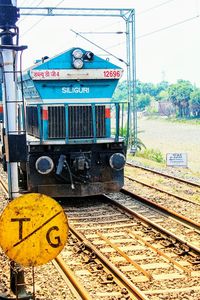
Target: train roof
(70,76)
(64,61)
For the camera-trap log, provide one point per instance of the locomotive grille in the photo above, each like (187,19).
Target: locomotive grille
(80,124)
(100,121)
(56,124)
(32,125)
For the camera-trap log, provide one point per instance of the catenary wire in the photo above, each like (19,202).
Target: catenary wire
(36,23)
(149,9)
(154,7)
(21,20)
(167,27)
(158,30)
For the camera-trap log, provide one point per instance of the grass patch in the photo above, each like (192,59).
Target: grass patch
(151,154)
(191,120)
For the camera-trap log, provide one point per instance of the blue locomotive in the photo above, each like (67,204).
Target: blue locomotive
(73,128)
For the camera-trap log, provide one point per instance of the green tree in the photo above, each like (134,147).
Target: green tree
(161,90)
(145,88)
(179,95)
(195,102)
(121,92)
(162,96)
(143,100)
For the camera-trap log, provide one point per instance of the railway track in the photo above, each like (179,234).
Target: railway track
(164,174)
(184,230)
(121,248)
(94,271)
(185,201)
(151,258)
(70,288)
(105,277)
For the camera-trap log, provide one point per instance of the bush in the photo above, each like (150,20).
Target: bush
(151,154)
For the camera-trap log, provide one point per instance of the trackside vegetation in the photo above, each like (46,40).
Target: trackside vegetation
(177,100)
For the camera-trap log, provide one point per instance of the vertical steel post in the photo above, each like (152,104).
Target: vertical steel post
(10,117)
(8,50)
(131,78)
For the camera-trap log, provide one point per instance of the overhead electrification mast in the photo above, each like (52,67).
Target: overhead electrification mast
(14,134)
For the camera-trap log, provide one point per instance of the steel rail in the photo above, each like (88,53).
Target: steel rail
(152,224)
(160,252)
(72,278)
(59,263)
(165,210)
(125,256)
(161,190)
(163,174)
(4,186)
(117,273)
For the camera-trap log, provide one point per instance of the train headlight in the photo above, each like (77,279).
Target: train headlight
(77,53)
(44,165)
(78,63)
(117,161)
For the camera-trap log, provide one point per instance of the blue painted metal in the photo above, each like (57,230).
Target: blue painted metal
(75,90)
(1,104)
(45,129)
(127,15)
(0,92)
(43,124)
(56,81)
(108,127)
(124,13)
(64,61)
(117,121)
(67,89)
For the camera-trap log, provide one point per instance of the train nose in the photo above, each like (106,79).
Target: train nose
(117,161)
(44,165)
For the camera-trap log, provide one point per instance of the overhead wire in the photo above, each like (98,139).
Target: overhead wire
(138,14)
(142,12)
(167,27)
(21,20)
(36,23)
(23,2)
(160,29)
(147,10)
(91,42)
(154,7)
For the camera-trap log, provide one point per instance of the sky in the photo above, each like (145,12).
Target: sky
(167,35)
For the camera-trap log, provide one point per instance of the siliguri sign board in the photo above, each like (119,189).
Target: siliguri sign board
(177,160)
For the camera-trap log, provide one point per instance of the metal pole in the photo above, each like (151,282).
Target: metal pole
(10,114)
(8,31)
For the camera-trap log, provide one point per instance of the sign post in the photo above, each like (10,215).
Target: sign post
(14,139)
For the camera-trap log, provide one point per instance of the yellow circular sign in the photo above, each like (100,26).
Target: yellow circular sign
(33,229)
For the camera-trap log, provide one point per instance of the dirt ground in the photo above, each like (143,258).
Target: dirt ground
(171,137)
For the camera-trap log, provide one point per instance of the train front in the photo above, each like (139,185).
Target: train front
(74,143)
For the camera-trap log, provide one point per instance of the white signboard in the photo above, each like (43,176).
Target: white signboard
(177,160)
